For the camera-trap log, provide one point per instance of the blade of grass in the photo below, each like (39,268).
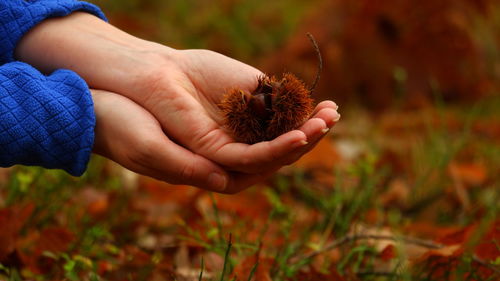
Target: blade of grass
(257,257)
(217,217)
(252,272)
(226,257)
(202,268)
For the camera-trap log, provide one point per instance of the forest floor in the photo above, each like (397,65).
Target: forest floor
(400,195)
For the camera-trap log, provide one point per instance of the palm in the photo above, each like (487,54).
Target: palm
(213,75)
(181,89)
(186,99)
(188,111)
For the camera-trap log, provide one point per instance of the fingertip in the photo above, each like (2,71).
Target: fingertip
(313,125)
(325,104)
(328,103)
(337,118)
(217,181)
(293,138)
(329,116)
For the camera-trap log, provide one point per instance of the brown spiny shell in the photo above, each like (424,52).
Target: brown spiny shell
(275,107)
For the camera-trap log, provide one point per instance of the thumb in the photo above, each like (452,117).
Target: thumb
(177,165)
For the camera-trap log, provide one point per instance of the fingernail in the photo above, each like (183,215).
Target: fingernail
(218,181)
(336,119)
(300,143)
(324,131)
(336,107)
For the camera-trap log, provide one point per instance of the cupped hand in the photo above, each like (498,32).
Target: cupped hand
(128,134)
(181,89)
(184,95)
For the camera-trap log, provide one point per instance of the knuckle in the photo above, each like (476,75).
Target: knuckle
(246,160)
(187,172)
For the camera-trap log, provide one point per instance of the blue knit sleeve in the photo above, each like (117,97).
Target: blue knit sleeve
(45,120)
(19,16)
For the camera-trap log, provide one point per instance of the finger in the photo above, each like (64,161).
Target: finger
(315,129)
(328,112)
(280,151)
(172,163)
(260,156)
(143,147)
(325,104)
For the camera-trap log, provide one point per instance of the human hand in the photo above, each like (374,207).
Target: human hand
(185,98)
(180,88)
(128,134)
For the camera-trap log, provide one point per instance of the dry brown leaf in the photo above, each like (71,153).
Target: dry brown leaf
(162,192)
(323,156)
(489,247)
(96,201)
(12,219)
(388,253)
(396,194)
(469,174)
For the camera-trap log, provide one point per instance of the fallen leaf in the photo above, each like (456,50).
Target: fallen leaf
(388,253)
(489,247)
(457,237)
(470,174)
(12,219)
(396,194)
(96,201)
(323,156)
(162,192)
(54,239)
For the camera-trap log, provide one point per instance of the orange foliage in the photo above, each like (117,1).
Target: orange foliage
(379,51)
(388,253)
(11,222)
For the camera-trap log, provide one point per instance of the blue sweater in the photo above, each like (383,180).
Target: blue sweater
(44,120)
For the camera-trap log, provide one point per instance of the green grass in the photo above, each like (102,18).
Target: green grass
(355,192)
(221,26)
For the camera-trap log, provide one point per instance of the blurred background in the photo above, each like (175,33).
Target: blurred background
(376,53)
(405,187)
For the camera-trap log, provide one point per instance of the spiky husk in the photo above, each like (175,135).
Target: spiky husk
(239,118)
(292,105)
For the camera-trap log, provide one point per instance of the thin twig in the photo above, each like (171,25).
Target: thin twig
(488,265)
(354,237)
(320,61)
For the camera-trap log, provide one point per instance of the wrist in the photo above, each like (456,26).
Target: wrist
(106,57)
